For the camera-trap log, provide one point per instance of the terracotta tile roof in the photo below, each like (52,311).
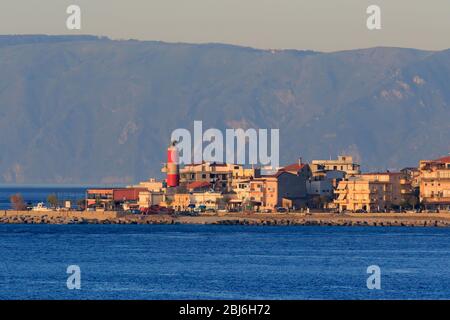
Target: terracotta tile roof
(277,174)
(293,167)
(443,159)
(198,185)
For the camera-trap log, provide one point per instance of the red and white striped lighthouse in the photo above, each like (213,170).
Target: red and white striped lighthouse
(173,171)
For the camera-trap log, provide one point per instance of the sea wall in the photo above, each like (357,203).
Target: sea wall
(322,219)
(13,216)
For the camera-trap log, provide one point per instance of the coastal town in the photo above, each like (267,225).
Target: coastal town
(335,185)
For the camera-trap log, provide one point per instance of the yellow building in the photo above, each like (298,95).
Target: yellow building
(374,192)
(342,163)
(400,186)
(358,194)
(149,198)
(151,184)
(209,200)
(435,183)
(187,201)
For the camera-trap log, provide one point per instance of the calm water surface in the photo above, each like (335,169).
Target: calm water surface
(36,194)
(222,262)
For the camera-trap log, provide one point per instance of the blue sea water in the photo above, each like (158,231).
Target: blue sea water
(36,193)
(223,262)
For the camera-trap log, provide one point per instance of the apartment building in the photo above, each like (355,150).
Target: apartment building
(400,186)
(221,176)
(376,191)
(286,188)
(435,183)
(342,163)
(355,194)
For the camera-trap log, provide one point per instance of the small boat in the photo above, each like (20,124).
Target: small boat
(40,207)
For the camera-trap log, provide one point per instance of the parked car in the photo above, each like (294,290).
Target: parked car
(360,211)
(281,210)
(156,209)
(197,210)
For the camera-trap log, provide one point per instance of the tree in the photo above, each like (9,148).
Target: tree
(52,199)
(317,201)
(169,202)
(226,200)
(413,201)
(81,203)
(324,200)
(17,202)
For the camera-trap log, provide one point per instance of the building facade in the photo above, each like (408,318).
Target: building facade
(435,183)
(379,191)
(286,188)
(355,194)
(222,177)
(342,163)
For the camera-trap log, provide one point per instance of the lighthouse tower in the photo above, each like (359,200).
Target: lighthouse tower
(173,170)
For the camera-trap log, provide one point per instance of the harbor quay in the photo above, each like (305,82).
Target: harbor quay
(441,219)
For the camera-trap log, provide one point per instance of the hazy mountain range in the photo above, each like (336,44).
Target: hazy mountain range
(92,110)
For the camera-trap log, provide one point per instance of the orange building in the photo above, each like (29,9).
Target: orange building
(113,198)
(286,188)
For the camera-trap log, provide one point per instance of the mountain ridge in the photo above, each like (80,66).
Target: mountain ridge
(96,110)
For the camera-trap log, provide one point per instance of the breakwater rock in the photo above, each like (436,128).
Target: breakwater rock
(291,219)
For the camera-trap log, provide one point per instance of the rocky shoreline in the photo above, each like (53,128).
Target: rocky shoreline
(291,219)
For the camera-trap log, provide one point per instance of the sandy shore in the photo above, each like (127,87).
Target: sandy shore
(324,219)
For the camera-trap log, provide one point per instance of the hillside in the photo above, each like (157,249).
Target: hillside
(92,110)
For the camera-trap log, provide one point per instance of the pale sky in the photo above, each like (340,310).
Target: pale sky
(322,25)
